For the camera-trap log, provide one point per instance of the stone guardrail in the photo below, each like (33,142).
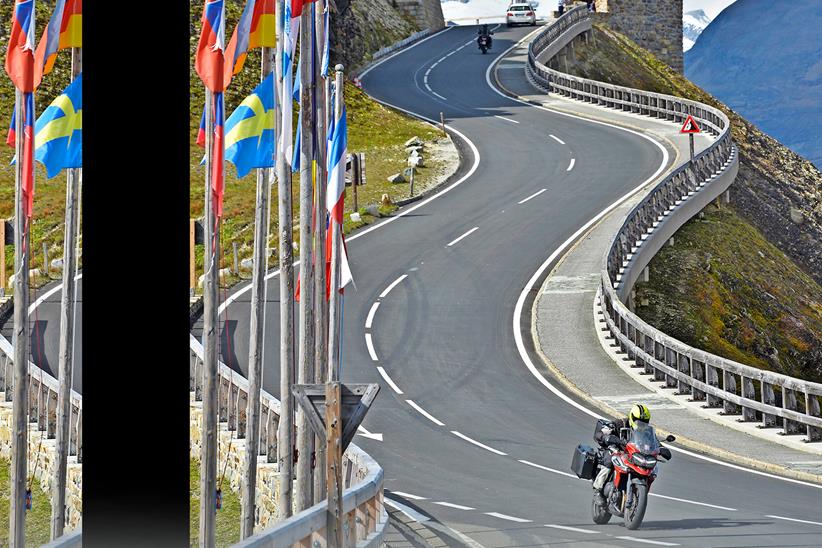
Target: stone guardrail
(775,400)
(382,52)
(69,540)
(364,515)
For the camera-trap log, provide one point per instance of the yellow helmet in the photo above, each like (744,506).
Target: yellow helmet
(639,412)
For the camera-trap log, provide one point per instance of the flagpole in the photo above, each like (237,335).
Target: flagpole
(255,345)
(208,441)
(336,248)
(320,306)
(305,436)
(66,353)
(20,397)
(285,428)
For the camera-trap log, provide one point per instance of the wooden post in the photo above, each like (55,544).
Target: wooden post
(333,463)
(691,143)
(192,271)
(442,122)
(2,257)
(336,244)
(355,177)
(236,258)
(411,184)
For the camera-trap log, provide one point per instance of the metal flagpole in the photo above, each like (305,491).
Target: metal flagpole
(336,248)
(285,428)
(20,398)
(305,372)
(255,345)
(320,306)
(66,355)
(208,441)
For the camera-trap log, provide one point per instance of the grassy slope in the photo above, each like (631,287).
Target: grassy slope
(741,296)
(37,519)
(228,517)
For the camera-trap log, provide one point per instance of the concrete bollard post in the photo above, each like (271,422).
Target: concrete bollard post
(646,274)
(671,242)
(726,197)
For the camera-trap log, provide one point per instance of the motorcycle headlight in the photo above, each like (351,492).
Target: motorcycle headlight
(645,461)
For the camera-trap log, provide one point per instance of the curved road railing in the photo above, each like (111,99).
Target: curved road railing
(775,400)
(364,515)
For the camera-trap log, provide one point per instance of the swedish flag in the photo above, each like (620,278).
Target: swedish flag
(58,133)
(249,131)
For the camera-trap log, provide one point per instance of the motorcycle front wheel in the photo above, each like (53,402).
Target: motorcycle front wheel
(639,499)
(600,514)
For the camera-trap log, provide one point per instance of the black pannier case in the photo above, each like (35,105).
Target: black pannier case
(584,463)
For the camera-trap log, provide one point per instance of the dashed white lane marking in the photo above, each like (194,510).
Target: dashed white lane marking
(370,346)
(452,505)
(575,529)
(506,119)
(557,139)
(571,165)
(693,502)
(424,413)
(440,96)
(796,520)
(555,471)
(371,313)
(392,286)
(534,195)
(463,236)
(507,517)
(441,59)
(657,542)
(407,510)
(478,444)
(387,379)
(408,495)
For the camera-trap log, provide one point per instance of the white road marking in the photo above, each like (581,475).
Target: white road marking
(392,286)
(575,529)
(440,96)
(441,59)
(571,165)
(434,64)
(371,313)
(693,502)
(366,434)
(506,119)
(388,380)
(507,517)
(49,293)
(534,195)
(478,444)
(463,236)
(407,510)
(425,80)
(408,495)
(370,346)
(557,139)
(796,520)
(660,543)
(555,471)
(452,505)
(424,413)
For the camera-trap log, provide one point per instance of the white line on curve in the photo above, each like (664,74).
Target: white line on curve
(387,379)
(534,195)
(557,139)
(506,119)
(408,495)
(646,541)
(507,517)
(693,502)
(452,505)
(463,236)
(370,346)
(440,96)
(796,520)
(571,165)
(407,510)
(555,471)
(425,413)
(49,293)
(575,529)
(388,289)
(371,313)
(478,444)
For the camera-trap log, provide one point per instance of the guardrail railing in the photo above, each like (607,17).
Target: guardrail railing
(775,400)
(364,514)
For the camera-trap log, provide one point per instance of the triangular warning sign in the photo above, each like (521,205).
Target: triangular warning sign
(690,126)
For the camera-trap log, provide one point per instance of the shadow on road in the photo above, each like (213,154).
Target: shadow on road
(38,348)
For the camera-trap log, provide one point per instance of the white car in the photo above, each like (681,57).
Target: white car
(520,14)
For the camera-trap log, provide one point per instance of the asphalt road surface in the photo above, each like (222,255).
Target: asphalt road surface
(469,437)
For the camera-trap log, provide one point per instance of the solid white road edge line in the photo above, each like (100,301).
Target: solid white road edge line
(438,95)
(370,435)
(794,519)
(370,346)
(557,139)
(575,529)
(425,413)
(387,379)
(506,119)
(388,289)
(371,313)
(407,510)
(478,444)
(507,517)
(693,502)
(657,542)
(49,293)
(408,495)
(452,505)
(541,467)
(571,165)
(534,195)
(463,236)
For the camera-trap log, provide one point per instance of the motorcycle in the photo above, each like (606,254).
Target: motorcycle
(636,466)
(484,43)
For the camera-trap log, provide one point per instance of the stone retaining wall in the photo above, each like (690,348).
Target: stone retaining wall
(427,13)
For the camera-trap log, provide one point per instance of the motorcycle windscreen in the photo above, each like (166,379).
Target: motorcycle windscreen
(644,438)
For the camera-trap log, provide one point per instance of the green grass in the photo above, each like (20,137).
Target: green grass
(37,519)
(228,518)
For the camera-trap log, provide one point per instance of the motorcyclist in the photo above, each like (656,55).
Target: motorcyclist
(606,438)
(483,31)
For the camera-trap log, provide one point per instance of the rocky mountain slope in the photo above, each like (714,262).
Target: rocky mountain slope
(693,23)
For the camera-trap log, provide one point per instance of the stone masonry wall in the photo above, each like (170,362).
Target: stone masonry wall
(656,25)
(427,13)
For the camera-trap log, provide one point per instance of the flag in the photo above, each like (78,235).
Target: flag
(235,52)
(263,25)
(209,58)
(256,29)
(64,30)
(217,154)
(28,149)
(249,131)
(291,31)
(20,54)
(201,131)
(326,51)
(11,137)
(335,193)
(58,133)
(295,160)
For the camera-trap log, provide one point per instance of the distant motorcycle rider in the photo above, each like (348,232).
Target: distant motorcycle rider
(606,438)
(484,32)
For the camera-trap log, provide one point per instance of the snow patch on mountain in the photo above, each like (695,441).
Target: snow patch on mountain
(693,23)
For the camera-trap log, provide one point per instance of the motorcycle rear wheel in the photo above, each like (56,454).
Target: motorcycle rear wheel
(600,514)
(634,516)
